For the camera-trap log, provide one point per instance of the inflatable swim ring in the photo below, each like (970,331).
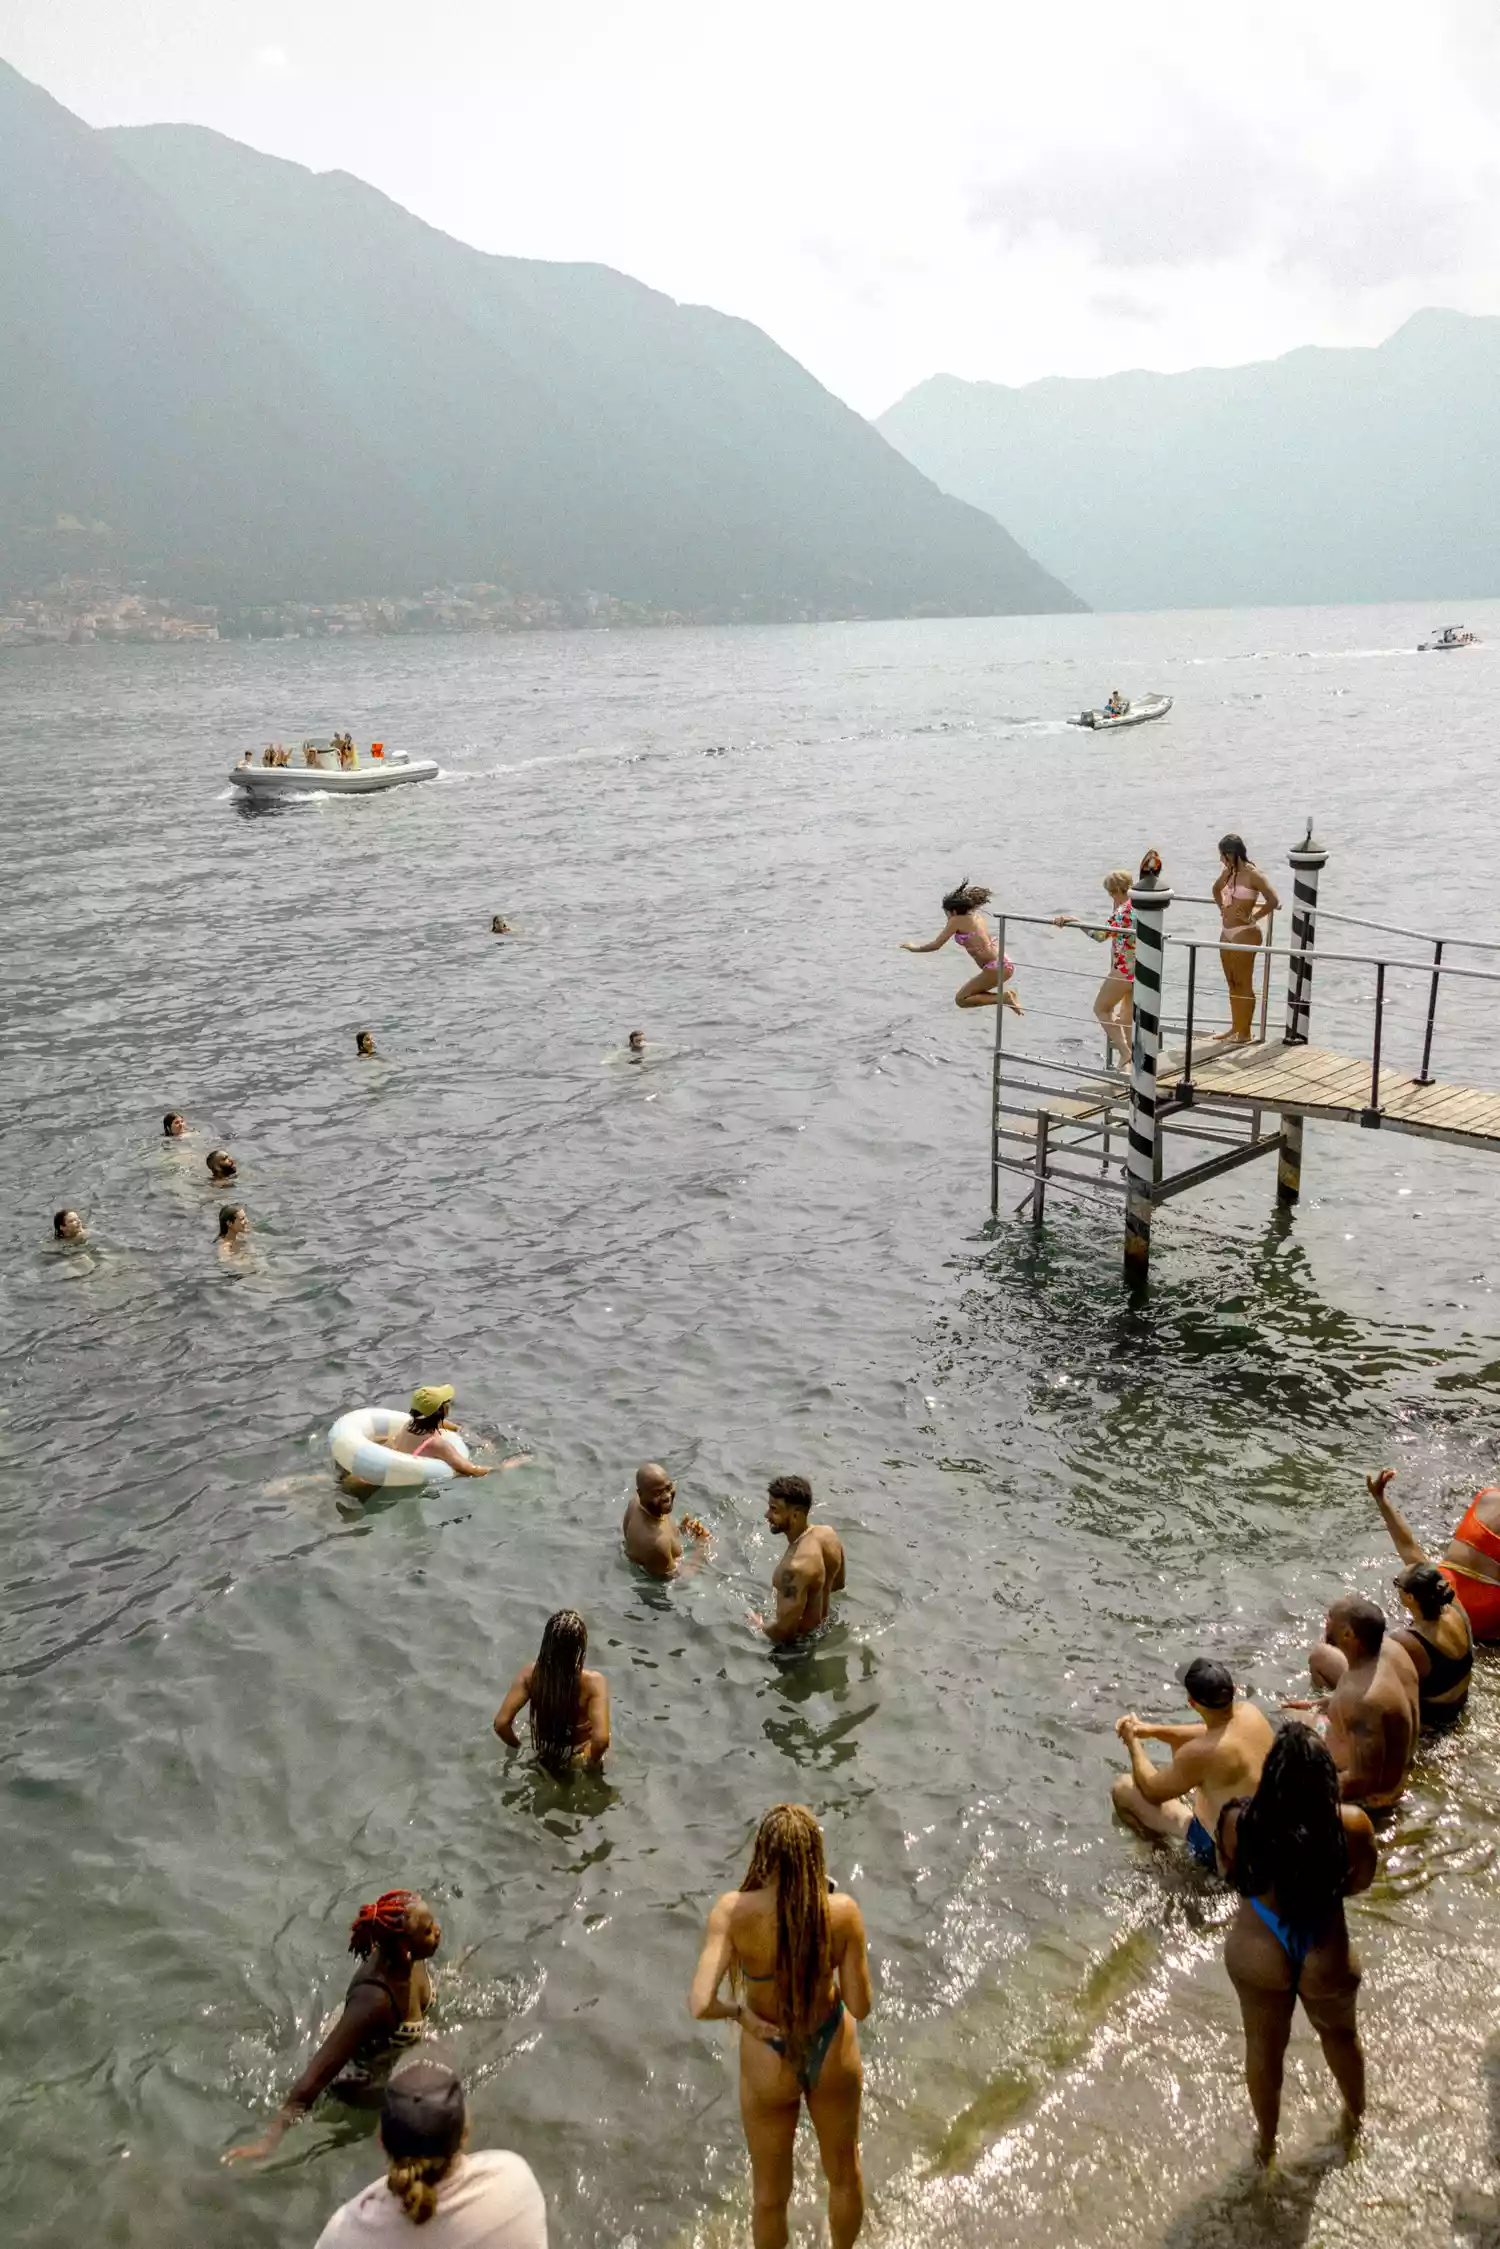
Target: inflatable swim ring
(357,1442)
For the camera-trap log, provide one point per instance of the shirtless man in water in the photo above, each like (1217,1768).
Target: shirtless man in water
(812,1568)
(1216,1757)
(652,1540)
(1373,1710)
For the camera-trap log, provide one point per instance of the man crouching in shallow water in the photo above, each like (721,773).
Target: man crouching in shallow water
(1373,1709)
(1216,1757)
(811,1570)
(652,1540)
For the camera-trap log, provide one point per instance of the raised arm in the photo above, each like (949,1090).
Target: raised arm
(853,1964)
(517,1697)
(934,943)
(368,2011)
(1406,1546)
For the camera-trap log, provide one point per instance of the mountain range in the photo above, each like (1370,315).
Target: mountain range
(243,381)
(1324,476)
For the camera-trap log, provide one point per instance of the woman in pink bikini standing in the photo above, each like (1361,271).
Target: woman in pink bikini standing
(1245,899)
(968,928)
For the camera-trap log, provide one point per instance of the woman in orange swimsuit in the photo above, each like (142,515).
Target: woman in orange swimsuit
(1471,1558)
(1244,899)
(968,928)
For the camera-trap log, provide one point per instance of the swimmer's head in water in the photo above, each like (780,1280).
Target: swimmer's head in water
(67,1226)
(1425,1589)
(364,1042)
(556,1678)
(1355,1625)
(423,2124)
(654,1488)
(788,1499)
(221,1165)
(1208,1684)
(1119,882)
(637,1042)
(399,1922)
(967,898)
(172,1125)
(233,1222)
(500,926)
(430,1403)
(1232,851)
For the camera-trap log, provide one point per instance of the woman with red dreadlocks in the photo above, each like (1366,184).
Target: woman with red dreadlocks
(800,1945)
(383,2009)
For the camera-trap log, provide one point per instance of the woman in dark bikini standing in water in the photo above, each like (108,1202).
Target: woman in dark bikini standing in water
(1244,899)
(382,2012)
(1294,1853)
(799,1948)
(968,928)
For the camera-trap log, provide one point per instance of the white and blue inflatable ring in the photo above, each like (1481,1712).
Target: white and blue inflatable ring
(357,1442)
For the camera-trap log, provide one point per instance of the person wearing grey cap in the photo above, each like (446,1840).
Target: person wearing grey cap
(460,2201)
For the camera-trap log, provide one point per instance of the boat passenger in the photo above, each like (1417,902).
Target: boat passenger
(1295,1852)
(1115,997)
(67,1226)
(221,1165)
(460,2201)
(311,755)
(344,743)
(248,758)
(799,1945)
(969,930)
(382,2012)
(1470,1562)
(364,1043)
(1117,706)
(569,1706)
(268,755)
(1245,899)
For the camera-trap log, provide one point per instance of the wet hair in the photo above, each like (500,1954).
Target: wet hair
(788,1854)
(228,1213)
(376,1926)
(1428,1587)
(172,1117)
(1291,1837)
(555,1683)
(966,898)
(1209,1683)
(430,1421)
(60,1219)
(1118,881)
(422,2119)
(361,1037)
(221,1163)
(792,1491)
(1232,848)
(1364,1619)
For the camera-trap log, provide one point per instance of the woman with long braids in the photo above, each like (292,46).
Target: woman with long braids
(383,2008)
(461,2201)
(569,1706)
(798,1947)
(970,931)
(1245,899)
(1294,1852)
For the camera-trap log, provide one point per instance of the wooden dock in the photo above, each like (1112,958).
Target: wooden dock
(1305,1081)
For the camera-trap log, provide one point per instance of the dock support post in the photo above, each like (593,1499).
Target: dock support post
(1149,900)
(997,1073)
(1308,859)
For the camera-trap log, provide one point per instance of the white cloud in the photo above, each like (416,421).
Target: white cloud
(271,58)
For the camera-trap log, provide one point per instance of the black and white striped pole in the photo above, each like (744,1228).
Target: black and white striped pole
(1149,900)
(1308,859)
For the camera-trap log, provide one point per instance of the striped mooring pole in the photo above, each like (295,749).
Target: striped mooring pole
(1307,859)
(1149,900)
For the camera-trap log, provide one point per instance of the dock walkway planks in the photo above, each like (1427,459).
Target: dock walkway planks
(1304,1081)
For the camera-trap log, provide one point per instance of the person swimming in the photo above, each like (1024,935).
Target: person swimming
(382,2013)
(569,1717)
(67,1226)
(221,1165)
(968,928)
(173,1126)
(500,927)
(234,1226)
(800,1944)
(429,1435)
(364,1044)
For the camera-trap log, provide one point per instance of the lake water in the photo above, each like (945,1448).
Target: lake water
(233,1708)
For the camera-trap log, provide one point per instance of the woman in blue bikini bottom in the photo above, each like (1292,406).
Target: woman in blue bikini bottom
(1294,1852)
(796,1947)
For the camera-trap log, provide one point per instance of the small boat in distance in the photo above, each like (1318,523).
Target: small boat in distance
(1134,714)
(318,770)
(1451,636)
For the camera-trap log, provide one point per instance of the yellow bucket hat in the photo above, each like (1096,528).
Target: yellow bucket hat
(428,1399)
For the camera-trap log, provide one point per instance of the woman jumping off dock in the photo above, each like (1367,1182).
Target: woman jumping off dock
(968,928)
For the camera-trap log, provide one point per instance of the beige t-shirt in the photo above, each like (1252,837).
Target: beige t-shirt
(488,2201)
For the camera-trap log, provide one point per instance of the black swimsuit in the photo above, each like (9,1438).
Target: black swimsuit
(1444,1672)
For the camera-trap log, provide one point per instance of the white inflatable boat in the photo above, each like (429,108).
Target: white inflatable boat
(1134,714)
(391,769)
(1451,636)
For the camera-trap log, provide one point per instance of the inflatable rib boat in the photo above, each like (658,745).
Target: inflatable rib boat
(1134,714)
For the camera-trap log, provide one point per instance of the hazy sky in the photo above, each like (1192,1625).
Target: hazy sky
(1001,190)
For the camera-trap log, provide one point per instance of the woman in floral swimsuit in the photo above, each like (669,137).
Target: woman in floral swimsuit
(1113,1001)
